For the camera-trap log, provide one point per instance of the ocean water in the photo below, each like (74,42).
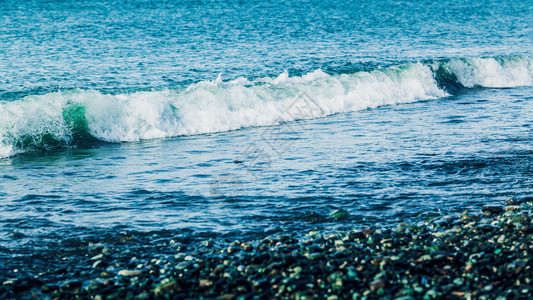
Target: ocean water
(217,119)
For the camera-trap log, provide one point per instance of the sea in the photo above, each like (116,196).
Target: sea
(242,119)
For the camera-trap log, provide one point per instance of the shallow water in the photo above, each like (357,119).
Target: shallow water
(114,117)
(382,165)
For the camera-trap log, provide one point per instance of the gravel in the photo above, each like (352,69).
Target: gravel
(464,256)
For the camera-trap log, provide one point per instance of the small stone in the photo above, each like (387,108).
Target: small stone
(98,264)
(355,235)
(458,281)
(233,249)
(166,288)
(458,293)
(143,296)
(501,239)
(367,232)
(95,287)
(247,247)
(97,257)
(377,284)
(314,256)
(386,242)
(130,272)
(9,282)
(512,201)
(352,272)
(305,296)
(487,227)
(425,257)
(487,214)
(106,274)
(340,214)
(251,269)
(512,208)
(205,283)
(431,294)
(495,209)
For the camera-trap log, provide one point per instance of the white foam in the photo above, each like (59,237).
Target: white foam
(491,72)
(215,106)
(31,119)
(6,151)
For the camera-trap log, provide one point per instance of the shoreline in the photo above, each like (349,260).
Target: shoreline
(482,256)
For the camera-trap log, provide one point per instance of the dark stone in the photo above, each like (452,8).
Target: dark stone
(20,287)
(487,227)
(495,209)
(340,214)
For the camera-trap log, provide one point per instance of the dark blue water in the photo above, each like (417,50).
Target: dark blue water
(247,118)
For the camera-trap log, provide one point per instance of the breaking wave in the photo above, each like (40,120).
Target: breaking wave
(81,117)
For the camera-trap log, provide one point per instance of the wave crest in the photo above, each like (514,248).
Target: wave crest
(79,117)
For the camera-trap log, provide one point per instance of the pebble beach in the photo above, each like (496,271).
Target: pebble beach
(484,255)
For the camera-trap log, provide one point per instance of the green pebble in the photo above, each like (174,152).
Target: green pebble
(340,214)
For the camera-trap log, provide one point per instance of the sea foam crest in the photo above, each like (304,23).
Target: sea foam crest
(497,72)
(74,117)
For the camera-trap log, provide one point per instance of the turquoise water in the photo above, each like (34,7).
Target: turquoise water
(227,118)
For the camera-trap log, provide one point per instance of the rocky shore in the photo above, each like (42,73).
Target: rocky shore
(467,256)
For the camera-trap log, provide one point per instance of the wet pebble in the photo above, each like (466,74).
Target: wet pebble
(130,272)
(495,209)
